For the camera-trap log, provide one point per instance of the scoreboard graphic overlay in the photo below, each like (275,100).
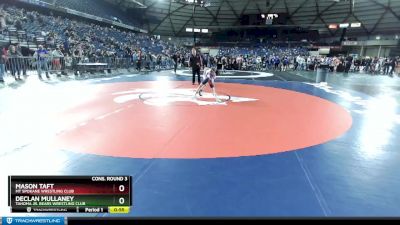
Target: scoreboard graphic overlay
(70,194)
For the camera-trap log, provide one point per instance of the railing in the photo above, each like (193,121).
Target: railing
(17,66)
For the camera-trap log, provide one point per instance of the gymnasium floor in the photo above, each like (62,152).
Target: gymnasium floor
(281,146)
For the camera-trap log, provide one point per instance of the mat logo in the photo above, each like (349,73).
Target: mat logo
(9,220)
(230,74)
(163,97)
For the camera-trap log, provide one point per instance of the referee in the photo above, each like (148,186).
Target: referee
(196,63)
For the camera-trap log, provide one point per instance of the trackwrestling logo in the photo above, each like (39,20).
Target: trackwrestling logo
(162,97)
(33,220)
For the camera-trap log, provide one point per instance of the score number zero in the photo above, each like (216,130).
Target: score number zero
(121,188)
(121,200)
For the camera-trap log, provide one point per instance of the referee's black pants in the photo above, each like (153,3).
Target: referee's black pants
(196,70)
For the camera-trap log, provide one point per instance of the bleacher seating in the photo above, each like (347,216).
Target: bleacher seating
(97,8)
(103,38)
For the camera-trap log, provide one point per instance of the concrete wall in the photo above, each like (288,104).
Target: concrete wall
(374,51)
(371,51)
(365,38)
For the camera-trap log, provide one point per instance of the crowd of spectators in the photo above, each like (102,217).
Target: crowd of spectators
(298,59)
(77,41)
(367,65)
(67,42)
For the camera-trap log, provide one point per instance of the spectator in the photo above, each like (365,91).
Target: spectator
(386,66)
(76,58)
(23,62)
(139,61)
(349,61)
(57,55)
(2,20)
(68,61)
(15,62)
(393,63)
(41,55)
(3,61)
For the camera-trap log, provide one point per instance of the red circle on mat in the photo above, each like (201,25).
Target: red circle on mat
(280,120)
